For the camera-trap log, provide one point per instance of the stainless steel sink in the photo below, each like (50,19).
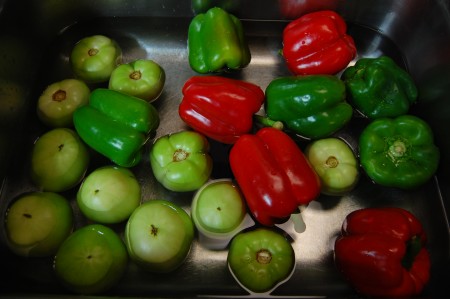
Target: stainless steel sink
(36,37)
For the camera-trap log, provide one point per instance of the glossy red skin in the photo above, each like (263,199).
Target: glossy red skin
(318,43)
(292,9)
(220,108)
(273,174)
(371,248)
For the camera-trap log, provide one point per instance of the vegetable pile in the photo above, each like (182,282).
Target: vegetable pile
(284,152)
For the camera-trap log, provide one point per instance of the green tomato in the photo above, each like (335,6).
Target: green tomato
(218,207)
(59,160)
(181,161)
(94,58)
(159,236)
(335,163)
(59,100)
(261,259)
(109,194)
(91,260)
(141,78)
(219,212)
(37,223)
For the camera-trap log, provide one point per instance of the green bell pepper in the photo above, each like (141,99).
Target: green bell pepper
(261,259)
(378,87)
(399,152)
(202,6)
(116,125)
(312,106)
(181,161)
(216,42)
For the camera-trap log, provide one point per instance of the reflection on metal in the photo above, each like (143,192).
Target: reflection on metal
(415,33)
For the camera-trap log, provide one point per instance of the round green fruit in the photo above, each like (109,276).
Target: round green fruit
(59,160)
(159,235)
(93,58)
(261,259)
(218,208)
(91,260)
(181,161)
(37,223)
(218,211)
(109,194)
(141,78)
(59,100)
(335,164)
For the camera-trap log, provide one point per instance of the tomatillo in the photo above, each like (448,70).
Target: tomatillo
(219,212)
(59,100)
(335,164)
(159,236)
(93,58)
(181,161)
(218,207)
(261,259)
(141,78)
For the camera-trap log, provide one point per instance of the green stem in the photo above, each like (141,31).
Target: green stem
(397,149)
(267,122)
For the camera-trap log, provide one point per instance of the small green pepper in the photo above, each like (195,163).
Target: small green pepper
(216,42)
(399,152)
(116,125)
(261,259)
(202,6)
(312,106)
(378,87)
(181,161)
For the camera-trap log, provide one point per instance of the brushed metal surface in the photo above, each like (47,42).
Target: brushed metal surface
(416,34)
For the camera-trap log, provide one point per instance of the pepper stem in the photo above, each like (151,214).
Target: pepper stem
(397,149)
(267,122)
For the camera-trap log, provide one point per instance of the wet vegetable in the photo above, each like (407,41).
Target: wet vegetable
(261,259)
(399,152)
(335,163)
(382,252)
(116,125)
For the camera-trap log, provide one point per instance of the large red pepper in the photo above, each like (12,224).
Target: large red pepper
(382,252)
(318,43)
(219,107)
(273,174)
(293,9)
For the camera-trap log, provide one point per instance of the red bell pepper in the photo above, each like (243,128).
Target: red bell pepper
(273,174)
(317,43)
(293,9)
(382,252)
(220,108)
